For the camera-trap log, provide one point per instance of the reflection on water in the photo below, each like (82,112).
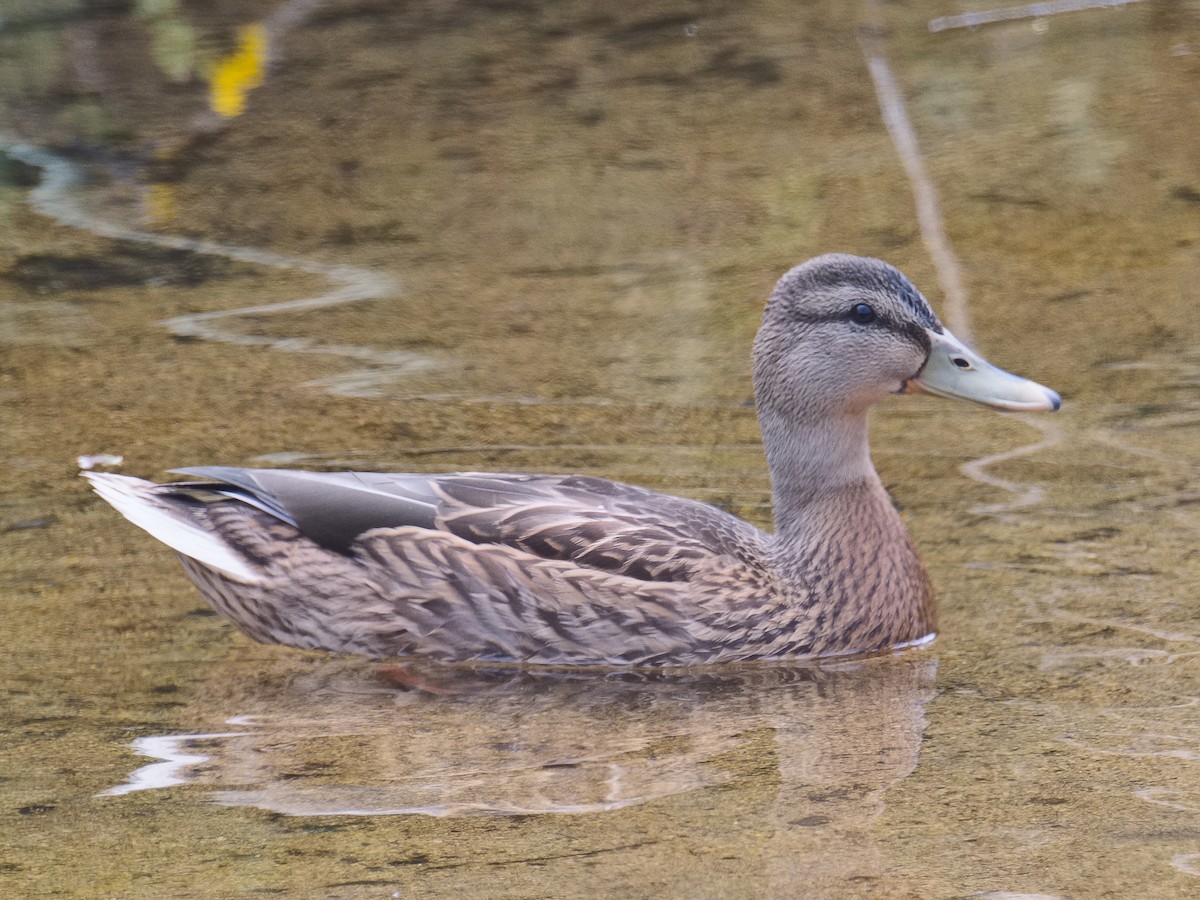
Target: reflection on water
(585,207)
(242,71)
(176,757)
(331,738)
(348,739)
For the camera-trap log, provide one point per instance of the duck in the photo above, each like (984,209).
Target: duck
(576,570)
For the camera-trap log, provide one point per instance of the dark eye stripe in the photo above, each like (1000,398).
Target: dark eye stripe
(910,330)
(817,318)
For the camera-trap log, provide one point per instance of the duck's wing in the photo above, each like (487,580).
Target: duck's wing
(592,522)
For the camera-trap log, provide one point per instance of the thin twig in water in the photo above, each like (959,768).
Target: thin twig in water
(933,233)
(1013,13)
(929,216)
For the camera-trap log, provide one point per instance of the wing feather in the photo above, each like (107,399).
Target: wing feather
(595,523)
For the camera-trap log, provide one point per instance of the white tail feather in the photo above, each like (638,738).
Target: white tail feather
(130,497)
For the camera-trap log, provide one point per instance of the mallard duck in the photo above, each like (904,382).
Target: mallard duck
(571,569)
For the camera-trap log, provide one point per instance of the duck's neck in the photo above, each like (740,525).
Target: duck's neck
(838,535)
(811,462)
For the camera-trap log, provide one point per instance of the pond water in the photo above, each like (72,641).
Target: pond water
(537,237)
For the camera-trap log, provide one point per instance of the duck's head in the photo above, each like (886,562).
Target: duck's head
(843,332)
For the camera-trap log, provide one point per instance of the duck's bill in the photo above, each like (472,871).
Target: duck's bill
(953,370)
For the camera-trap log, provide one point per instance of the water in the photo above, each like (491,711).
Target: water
(438,237)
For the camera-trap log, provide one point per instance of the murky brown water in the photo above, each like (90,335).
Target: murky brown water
(537,237)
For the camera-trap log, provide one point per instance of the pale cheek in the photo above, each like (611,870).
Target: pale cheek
(878,378)
(900,366)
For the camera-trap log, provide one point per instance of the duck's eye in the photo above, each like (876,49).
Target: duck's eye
(862,313)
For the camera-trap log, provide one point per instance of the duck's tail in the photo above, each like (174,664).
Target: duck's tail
(163,512)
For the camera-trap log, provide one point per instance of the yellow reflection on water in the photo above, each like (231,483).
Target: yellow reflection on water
(236,75)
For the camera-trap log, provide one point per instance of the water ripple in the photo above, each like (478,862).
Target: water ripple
(57,198)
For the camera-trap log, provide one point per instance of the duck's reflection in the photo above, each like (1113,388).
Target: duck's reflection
(337,737)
